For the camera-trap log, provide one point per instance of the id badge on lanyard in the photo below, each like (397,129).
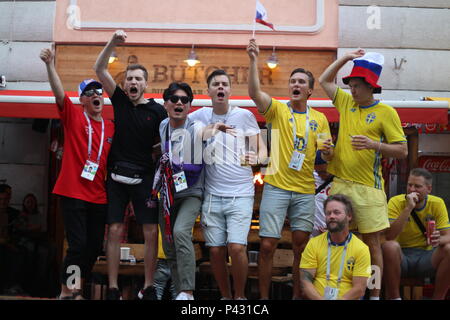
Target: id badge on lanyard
(179,178)
(298,155)
(297,160)
(90,167)
(89,170)
(332,293)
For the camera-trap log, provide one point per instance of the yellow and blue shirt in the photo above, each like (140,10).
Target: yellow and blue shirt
(282,146)
(411,236)
(356,263)
(379,122)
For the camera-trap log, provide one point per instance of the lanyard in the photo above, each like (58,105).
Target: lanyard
(341,267)
(100,149)
(294,128)
(230,108)
(169,140)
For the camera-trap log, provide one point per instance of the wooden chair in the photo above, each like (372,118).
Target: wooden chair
(413,288)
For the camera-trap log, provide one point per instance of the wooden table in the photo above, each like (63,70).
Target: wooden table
(280,270)
(125,268)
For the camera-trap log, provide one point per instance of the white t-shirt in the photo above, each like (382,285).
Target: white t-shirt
(319,218)
(224,174)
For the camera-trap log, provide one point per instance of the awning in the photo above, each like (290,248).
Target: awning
(41,104)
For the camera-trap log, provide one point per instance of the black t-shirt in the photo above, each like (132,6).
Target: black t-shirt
(136,130)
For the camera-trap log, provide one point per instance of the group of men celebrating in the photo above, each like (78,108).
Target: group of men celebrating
(217,181)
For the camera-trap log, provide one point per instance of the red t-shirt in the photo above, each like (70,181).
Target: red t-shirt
(70,183)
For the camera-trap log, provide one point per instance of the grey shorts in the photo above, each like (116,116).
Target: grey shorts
(276,203)
(226,219)
(417,263)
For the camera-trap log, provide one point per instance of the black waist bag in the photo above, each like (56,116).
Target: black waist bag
(127,173)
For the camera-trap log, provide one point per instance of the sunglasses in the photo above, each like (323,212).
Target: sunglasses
(174,99)
(91,92)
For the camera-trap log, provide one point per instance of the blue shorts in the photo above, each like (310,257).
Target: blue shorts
(417,263)
(276,203)
(226,219)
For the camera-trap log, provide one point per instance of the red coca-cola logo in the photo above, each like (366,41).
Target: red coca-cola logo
(435,164)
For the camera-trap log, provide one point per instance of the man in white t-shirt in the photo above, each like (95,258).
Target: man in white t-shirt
(322,181)
(232,135)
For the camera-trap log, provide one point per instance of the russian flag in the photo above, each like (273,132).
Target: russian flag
(261,15)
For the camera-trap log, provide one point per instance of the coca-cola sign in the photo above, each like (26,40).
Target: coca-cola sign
(435,163)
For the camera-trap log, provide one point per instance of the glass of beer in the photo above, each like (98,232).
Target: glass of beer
(321,138)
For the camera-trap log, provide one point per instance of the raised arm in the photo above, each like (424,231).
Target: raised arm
(261,99)
(326,79)
(48,56)
(101,65)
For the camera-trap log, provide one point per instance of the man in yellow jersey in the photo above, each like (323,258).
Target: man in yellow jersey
(289,182)
(408,252)
(335,265)
(368,130)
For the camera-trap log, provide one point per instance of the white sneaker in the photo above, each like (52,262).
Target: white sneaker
(184,296)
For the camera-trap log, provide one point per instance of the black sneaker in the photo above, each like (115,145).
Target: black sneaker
(113,294)
(148,293)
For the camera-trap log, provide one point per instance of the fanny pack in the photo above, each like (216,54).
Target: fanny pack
(127,173)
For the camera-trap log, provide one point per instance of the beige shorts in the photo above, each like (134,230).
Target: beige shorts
(370,205)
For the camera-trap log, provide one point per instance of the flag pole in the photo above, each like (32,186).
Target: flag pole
(254,19)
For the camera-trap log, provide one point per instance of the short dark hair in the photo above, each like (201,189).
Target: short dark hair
(174,86)
(215,73)
(345,200)
(138,66)
(5,188)
(308,73)
(420,172)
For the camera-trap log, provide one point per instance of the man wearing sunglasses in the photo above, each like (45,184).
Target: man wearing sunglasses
(87,141)
(131,167)
(179,180)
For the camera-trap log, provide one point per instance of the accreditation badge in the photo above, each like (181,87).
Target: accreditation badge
(179,179)
(297,160)
(331,293)
(89,170)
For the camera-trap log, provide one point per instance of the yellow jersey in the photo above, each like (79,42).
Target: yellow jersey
(278,172)
(379,122)
(356,263)
(411,236)
(161,253)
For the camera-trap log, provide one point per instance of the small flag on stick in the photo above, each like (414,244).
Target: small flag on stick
(261,15)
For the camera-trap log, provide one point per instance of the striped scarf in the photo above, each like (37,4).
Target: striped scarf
(164,185)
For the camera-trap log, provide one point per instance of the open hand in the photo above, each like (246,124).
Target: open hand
(355,54)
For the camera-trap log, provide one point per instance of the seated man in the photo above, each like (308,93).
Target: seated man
(408,252)
(335,265)
(12,256)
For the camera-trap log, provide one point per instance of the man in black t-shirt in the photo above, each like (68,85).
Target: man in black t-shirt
(130,164)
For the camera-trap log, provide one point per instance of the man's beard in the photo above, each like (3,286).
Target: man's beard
(337,226)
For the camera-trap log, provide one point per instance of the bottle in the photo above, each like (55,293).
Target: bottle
(431,224)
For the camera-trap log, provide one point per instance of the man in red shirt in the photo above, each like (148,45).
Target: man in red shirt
(81,181)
